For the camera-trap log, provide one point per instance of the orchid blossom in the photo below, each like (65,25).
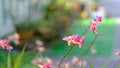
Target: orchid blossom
(74,39)
(94,23)
(5,44)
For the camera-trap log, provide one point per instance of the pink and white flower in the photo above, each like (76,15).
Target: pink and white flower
(74,39)
(93,26)
(80,41)
(5,44)
(98,19)
(94,23)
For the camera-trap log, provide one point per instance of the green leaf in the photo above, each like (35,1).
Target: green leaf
(119,65)
(106,63)
(17,61)
(90,64)
(9,60)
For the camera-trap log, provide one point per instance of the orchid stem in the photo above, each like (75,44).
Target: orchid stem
(67,53)
(86,50)
(85,30)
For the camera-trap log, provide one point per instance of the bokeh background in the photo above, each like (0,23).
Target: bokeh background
(41,25)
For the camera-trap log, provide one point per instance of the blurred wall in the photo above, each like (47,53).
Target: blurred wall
(14,11)
(5,21)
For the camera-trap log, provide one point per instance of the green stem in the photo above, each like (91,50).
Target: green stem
(67,53)
(84,53)
(8,61)
(85,30)
(107,62)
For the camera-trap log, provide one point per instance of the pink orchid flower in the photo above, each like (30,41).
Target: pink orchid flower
(93,26)
(80,41)
(5,44)
(94,23)
(74,39)
(70,39)
(98,18)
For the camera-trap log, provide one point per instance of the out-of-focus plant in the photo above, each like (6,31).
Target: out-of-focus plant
(25,25)
(40,46)
(41,62)
(17,61)
(14,38)
(55,21)
(69,64)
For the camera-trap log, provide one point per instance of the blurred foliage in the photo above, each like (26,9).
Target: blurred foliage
(25,25)
(16,59)
(55,21)
(57,16)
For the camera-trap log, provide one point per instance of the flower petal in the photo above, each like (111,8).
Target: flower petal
(66,38)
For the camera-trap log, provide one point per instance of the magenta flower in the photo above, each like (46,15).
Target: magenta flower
(98,19)
(74,39)
(44,66)
(93,26)
(70,39)
(94,23)
(5,44)
(80,41)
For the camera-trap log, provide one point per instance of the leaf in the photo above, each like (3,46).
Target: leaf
(17,61)
(119,65)
(90,64)
(27,59)
(106,63)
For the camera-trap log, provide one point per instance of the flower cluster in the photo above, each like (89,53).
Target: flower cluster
(94,22)
(74,39)
(5,44)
